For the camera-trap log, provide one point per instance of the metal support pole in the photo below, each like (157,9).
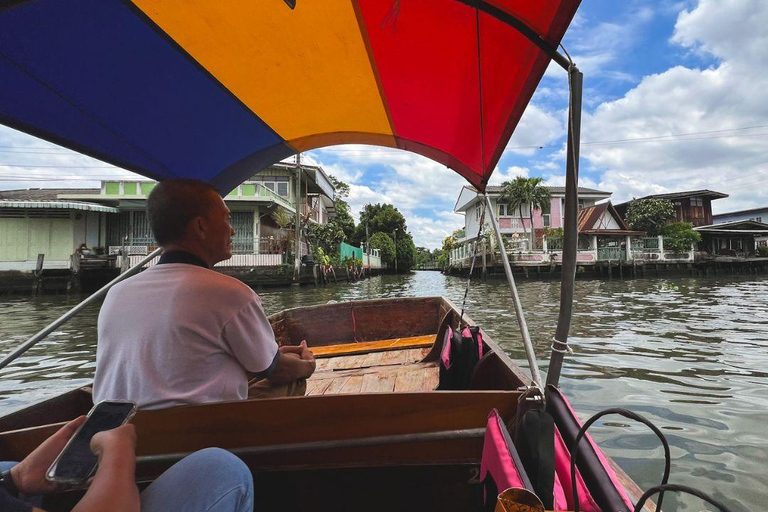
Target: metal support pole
(31,342)
(570,229)
(297,244)
(535,375)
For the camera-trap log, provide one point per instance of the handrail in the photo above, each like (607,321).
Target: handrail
(34,340)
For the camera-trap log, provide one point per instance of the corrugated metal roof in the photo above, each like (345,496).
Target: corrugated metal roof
(44,194)
(61,205)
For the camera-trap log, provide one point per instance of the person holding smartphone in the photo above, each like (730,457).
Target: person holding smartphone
(189,485)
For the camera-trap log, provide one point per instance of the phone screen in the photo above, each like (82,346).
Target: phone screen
(77,461)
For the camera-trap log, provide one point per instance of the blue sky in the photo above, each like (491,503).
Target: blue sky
(674,100)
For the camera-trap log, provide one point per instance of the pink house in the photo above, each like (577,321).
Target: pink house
(469,203)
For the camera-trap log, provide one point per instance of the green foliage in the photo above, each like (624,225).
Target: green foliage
(322,258)
(762,251)
(423,256)
(406,253)
(343,217)
(650,215)
(679,236)
(282,217)
(449,243)
(553,232)
(380,218)
(327,238)
(384,243)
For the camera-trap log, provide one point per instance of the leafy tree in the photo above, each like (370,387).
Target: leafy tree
(327,238)
(380,218)
(650,215)
(679,236)
(406,253)
(385,244)
(529,192)
(344,219)
(423,256)
(449,243)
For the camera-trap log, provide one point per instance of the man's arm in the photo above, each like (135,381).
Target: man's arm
(293,363)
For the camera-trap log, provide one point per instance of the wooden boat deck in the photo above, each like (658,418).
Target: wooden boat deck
(384,366)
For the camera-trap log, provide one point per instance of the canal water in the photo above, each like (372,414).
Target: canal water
(691,354)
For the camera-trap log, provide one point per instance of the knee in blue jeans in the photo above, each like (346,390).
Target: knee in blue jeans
(222,465)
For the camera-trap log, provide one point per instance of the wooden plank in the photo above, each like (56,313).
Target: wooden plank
(336,386)
(349,362)
(413,355)
(432,379)
(397,357)
(317,386)
(373,346)
(379,382)
(372,359)
(292,420)
(408,379)
(375,370)
(353,385)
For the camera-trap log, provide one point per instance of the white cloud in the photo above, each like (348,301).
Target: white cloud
(537,128)
(29,162)
(728,96)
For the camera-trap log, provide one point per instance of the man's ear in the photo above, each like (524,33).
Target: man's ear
(197,227)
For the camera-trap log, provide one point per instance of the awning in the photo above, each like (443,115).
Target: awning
(61,205)
(218,90)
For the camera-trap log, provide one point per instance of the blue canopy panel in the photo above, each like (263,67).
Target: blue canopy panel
(115,100)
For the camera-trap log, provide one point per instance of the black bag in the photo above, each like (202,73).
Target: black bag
(463,355)
(533,431)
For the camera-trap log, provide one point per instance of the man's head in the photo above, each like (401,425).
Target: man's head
(191,215)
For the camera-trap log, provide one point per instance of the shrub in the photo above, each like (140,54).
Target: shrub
(762,251)
(679,236)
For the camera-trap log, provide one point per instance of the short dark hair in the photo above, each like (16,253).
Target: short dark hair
(173,203)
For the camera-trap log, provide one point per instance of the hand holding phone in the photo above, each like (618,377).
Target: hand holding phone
(77,462)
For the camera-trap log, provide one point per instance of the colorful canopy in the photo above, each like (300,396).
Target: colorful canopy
(220,89)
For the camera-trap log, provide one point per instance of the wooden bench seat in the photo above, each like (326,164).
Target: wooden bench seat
(373,346)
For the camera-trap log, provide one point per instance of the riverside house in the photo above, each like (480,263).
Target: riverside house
(754,215)
(512,226)
(112,219)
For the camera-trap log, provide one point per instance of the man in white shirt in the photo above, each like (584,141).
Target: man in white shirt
(181,333)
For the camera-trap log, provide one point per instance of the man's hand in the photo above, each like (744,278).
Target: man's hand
(29,474)
(295,362)
(303,352)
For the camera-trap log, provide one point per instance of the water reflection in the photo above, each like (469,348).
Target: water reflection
(690,354)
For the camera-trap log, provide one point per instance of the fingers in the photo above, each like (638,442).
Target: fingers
(120,436)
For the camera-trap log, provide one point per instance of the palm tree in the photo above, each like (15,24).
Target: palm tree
(539,198)
(514,194)
(526,191)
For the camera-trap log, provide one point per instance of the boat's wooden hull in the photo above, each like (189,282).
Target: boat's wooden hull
(330,450)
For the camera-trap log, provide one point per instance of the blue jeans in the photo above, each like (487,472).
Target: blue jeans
(209,480)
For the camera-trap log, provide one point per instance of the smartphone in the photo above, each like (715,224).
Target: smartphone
(77,463)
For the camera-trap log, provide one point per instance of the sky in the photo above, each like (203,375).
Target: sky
(674,99)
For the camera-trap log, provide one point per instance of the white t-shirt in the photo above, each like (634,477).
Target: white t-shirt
(180,334)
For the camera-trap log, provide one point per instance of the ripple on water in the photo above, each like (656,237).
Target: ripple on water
(689,354)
